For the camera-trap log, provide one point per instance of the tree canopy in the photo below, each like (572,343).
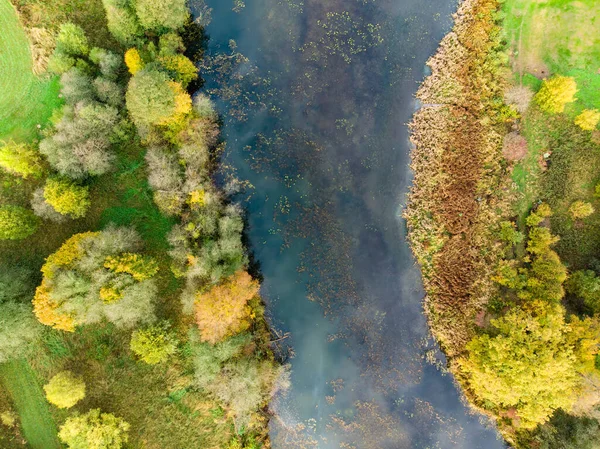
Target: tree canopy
(65,389)
(94,430)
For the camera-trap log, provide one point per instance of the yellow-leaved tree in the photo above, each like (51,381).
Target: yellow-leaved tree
(555,93)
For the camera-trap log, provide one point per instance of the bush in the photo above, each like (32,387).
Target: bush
(588,119)
(72,41)
(94,430)
(514,147)
(223,311)
(133,61)
(21,160)
(555,93)
(154,344)
(17,223)
(580,210)
(161,15)
(66,197)
(519,97)
(122,21)
(65,389)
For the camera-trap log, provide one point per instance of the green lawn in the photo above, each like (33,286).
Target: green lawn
(38,426)
(26,100)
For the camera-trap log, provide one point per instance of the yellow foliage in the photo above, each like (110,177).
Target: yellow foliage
(588,119)
(66,254)
(555,93)
(223,311)
(110,294)
(138,266)
(46,310)
(133,61)
(185,70)
(196,198)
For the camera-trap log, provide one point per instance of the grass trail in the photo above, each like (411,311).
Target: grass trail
(38,426)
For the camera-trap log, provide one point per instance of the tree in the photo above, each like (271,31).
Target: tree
(588,119)
(509,233)
(94,430)
(555,93)
(17,223)
(223,311)
(526,364)
(519,97)
(580,210)
(183,70)
(82,284)
(161,15)
(65,389)
(18,327)
(21,160)
(154,344)
(150,97)
(565,431)
(122,21)
(66,197)
(133,61)
(585,285)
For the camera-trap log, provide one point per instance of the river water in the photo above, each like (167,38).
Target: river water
(316,95)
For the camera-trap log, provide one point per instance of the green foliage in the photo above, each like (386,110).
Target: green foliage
(17,223)
(18,327)
(154,344)
(182,69)
(566,431)
(526,364)
(585,285)
(170,44)
(150,98)
(66,197)
(72,41)
(161,15)
(94,430)
(122,21)
(509,233)
(65,389)
(21,159)
(580,210)
(555,93)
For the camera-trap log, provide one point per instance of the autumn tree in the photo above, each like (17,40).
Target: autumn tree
(21,160)
(65,389)
(223,310)
(580,210)
(150,97)
(95,276)
(526,363)
(94,430)
(565,431)
(182,69)
(67,197)
(71,44)
(133,61)
(588,119)
(16,222)
(585,285)
(555,93)
(161,15)
(154,344)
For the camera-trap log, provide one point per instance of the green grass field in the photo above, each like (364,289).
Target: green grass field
(26,100)
(28,397)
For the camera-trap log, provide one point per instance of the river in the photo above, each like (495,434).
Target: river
(316,95)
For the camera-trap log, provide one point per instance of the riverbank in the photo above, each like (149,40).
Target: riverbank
(500,178)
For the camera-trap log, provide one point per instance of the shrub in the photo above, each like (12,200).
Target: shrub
(94,430)
(150,97)
(526,364)
(72,41)
(17,223)
(133,61)
(580,210)
(21,160)
(154,344)
(555,93)
(588,119)
(65,389)
(514,147)
(161,15)
(66,197)
(519,97)
(122,21)
(224,311)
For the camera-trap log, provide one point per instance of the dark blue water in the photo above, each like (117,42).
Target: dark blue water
(316,95)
